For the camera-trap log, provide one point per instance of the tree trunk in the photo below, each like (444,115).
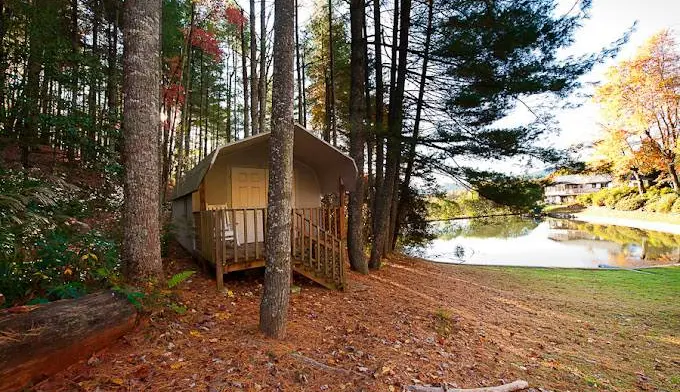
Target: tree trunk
(141,118)
(331,70)
(49,338)
(254,101)
(357,107)
(674,176)
(275,298)
(75,48)
(112,66)
(369,116)
(385,194)
(31,112)
(640,181)
(94,84)
(228,106)
(395,47)
(300,118)
(304,91)
(263,67)
(3,60)
(186,109)
(244,71)
(411,155)
(378,133)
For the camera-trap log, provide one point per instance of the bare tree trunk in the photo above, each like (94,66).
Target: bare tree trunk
(254,101)
(201,105)
(357,114)
(3,60)
(275,298)
(327,124)
(367,100)
(141,117)
(674,176)
(411,155)
(639,180)
(263,67)
(331,70)
(304,91)
(385,194)
(297,67)
(186,109)
(94,83)
(244,70)
(379,107)
(395,46)
(112,82)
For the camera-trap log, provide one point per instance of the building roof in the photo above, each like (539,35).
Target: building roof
(582,179)
(329,162)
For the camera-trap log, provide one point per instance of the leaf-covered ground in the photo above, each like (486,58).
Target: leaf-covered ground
(411,322)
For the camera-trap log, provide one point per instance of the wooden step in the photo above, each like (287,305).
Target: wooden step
(302,270)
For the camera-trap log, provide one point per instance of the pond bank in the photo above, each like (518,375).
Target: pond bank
(665,223)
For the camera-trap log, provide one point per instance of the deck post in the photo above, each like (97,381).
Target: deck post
(343,220)
(219,256)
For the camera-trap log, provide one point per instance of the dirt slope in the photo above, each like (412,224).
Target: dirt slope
(408,323)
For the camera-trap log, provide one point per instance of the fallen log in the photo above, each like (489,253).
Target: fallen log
(513,386)
(46,339)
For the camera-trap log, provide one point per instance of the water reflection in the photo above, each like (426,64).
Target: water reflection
(524,241)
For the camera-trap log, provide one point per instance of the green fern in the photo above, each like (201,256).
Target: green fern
(179,278)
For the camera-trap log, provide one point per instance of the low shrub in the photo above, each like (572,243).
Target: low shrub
(599,197)
(630,203)
(65,264)
(46,253)
(663,203)
(585,199)
(610,196)
(676,206)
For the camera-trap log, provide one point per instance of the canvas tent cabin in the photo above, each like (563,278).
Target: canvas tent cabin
(219,207)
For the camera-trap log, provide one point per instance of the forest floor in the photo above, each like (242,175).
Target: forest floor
(410,322)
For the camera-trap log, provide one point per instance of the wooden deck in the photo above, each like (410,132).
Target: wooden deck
(233,240)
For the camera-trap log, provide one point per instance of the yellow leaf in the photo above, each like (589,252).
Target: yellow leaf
(176,365)
(230,294)
(221,316)
(117,381)
(195,333)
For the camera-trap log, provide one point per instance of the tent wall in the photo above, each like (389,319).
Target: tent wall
(307,191)
(183,222)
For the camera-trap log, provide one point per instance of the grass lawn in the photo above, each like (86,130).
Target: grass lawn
(637,311)
(651,287)
(637,215)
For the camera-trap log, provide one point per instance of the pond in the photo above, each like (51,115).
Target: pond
(534,242)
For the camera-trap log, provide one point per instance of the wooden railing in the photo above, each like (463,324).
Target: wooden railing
(554,191)
(233,239)
(317,246)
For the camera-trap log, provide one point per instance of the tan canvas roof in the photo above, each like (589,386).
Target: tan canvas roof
(329,162)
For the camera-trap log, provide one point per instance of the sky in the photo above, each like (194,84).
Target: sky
(609,20)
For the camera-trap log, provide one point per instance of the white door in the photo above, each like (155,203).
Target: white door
(249,190)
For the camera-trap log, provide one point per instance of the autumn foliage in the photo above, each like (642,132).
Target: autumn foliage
(234,16)
(207,42)
(640,104)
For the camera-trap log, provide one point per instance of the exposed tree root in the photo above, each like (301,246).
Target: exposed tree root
(513,386)
(323,366)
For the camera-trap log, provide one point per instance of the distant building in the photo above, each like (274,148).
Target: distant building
(564,189)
